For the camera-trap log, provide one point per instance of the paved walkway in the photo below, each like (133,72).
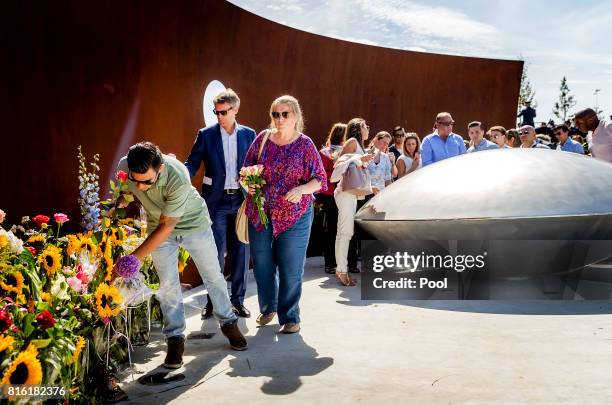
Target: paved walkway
(351,351)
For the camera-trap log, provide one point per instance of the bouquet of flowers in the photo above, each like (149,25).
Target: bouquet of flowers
(253,176)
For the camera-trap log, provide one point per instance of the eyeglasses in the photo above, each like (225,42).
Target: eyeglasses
(222,112)
(496,135)
(276,115)
(447,124)
(145,182)
(526,132)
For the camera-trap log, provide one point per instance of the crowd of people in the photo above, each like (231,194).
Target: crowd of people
(351,168)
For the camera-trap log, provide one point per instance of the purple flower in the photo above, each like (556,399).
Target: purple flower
(128,266)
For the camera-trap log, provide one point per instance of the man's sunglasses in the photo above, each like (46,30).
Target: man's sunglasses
(277,115)
(145,182)
(222,112)
(448,124)
(524,132)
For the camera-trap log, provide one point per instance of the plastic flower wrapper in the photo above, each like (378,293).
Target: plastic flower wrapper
(15,244)
(131,282)
(253,176)
(59,288)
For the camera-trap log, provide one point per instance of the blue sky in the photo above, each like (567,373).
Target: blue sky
(554,38)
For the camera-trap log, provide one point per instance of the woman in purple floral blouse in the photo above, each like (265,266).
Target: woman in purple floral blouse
(293,171)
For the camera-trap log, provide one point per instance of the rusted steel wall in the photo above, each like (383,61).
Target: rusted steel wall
(108,74)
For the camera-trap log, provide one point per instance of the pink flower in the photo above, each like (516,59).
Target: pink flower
(84,276)
(60,218)
(122,176)
(2,216)
(75,283)
(105,320)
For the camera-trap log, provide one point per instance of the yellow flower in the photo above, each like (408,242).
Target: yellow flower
(108,258)
(25,369)
(4,242)
(6,342)
(44,226)
(51,259)
(78,348)
(36,238)
(117,236)
(108,301)
(13,282)
(45,296)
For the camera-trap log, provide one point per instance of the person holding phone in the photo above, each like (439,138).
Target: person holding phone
(410,159)
(382,166)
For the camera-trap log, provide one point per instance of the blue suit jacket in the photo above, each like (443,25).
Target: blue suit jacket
(208,148)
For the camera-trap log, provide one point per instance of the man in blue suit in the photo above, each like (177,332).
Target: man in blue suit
(222,148)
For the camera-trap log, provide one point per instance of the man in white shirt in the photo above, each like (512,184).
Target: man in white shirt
(601,148)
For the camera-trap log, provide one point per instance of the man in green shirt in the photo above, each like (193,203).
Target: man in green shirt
(177,216)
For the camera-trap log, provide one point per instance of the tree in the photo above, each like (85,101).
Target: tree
(526,93)
(566,101)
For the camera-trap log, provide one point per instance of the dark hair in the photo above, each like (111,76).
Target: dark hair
(561,127)
(336,134)
(475,124)
(411,135)
(353,130)
(398,129)
(144,156)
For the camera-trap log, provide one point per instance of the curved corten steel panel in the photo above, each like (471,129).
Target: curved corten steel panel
(108,74)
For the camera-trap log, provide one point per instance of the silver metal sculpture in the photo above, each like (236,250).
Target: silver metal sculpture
(541,211)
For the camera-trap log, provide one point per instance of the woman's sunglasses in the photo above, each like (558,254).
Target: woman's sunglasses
(277,115)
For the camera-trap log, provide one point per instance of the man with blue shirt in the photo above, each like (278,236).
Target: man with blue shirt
(566,143)
(442,143)
(476,134)
(222,148)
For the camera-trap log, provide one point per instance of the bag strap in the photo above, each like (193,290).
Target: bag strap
(263,142)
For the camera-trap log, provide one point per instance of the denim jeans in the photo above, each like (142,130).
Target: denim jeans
(224,230)
(201,247)
(279,266)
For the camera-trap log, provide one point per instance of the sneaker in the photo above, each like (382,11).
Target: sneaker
(290,328)
(174,356)
(265,319)
(235,337)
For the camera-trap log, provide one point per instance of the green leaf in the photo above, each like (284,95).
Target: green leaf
(41,343)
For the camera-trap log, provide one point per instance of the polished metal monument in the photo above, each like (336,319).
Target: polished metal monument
(541,211)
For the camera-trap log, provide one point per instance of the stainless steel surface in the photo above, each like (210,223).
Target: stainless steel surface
(496,195)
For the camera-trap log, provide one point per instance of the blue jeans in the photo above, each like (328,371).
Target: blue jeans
(223,217)
(201,246)
(279,266)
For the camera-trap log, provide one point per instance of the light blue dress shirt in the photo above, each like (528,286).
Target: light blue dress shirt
(483,145)
(230,152)
(434,148)
(571,146)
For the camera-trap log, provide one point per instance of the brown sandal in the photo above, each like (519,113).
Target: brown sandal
(346,280)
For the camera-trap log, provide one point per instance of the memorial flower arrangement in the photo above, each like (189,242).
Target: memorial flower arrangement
(253,176)
(63,298)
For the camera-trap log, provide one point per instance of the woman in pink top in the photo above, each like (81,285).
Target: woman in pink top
(293,171)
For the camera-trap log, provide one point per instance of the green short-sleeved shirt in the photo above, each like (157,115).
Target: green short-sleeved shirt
(172,195)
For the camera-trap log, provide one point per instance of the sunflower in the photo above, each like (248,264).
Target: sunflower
(73,244)
(36,238)
(25,369)
(117,236)
(4,242)
(108,300)
(13,282)
(78,348)
(108,258)
(6,342)
(51,259)
(45,296)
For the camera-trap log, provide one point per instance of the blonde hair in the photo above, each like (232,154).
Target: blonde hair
(294,105)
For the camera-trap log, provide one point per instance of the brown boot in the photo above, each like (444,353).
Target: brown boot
(174,356)
(235,337)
